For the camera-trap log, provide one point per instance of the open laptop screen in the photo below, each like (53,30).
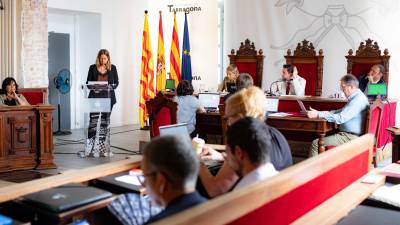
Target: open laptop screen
(209,100)
(377,89)
(170,84)
(179,129)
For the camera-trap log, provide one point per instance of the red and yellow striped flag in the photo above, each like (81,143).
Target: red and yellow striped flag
(146,74)
(161,73)
(175,60)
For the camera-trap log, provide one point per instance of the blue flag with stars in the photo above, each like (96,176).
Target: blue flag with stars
(186,61)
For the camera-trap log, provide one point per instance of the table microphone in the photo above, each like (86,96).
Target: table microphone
(270,87)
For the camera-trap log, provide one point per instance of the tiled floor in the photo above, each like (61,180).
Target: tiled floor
(124,142)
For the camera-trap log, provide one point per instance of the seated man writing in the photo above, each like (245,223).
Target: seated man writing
(351,117)
(374,76)
(290,83)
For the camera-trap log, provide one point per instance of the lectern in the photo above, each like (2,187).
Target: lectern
(97,119)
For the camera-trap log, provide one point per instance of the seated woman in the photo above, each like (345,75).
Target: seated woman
(188,106)
(10,96)
(248,102)
(232,73)
(290,83)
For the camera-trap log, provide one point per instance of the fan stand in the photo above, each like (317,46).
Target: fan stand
(59,132)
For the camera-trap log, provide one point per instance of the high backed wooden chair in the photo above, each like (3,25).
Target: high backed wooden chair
(162,111)
(248,61)
(367,55)
(309,64)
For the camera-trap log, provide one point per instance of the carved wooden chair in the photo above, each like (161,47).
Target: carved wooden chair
(309,64)
(367,55)
(162,111)
(248,61)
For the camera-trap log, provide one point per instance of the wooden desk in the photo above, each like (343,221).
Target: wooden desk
(26,137)
(289,124)
(395,143)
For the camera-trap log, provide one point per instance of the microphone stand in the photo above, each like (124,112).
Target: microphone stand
(270,87)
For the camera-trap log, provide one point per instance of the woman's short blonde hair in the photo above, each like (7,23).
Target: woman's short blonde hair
(249,102)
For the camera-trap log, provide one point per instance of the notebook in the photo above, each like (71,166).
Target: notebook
(66,197)
(175,129)
(209,101)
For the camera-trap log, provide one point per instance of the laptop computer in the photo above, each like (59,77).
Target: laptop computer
(170,85)
(231,87)
(209,101)
(303,109)
(175,129)
(65,197)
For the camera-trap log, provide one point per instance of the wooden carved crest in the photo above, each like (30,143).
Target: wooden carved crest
(369,48)
(304,49)
(247,48)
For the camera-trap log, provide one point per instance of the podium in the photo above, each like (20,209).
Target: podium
(97,110)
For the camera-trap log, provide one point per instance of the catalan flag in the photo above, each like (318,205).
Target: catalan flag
(146,74)
(175,61)
(161,74)
(186,61)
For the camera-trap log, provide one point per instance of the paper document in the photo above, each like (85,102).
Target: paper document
(280,114)
(129,179)
(389,195)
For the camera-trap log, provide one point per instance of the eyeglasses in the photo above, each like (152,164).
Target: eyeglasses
(142,177)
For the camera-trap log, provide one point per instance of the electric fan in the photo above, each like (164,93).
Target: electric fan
(63,85)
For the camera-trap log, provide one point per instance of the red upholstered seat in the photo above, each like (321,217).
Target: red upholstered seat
(34,95)
(250,68)
(367,55)
(162,111)
(309,65)
(249,61)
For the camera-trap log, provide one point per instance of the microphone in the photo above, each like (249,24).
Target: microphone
(270,87)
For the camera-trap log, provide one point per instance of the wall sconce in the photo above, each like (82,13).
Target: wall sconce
(1,5)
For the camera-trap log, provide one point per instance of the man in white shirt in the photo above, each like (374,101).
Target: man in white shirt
(247,150)
(291,83)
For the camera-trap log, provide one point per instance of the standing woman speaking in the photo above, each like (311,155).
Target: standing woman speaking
(98,129)
(103,70)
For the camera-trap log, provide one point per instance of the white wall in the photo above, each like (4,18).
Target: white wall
(275,26)
(84,31)
(121,27)
(121,34)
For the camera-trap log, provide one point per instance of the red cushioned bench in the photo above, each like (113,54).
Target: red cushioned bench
(320,190)
(35,96)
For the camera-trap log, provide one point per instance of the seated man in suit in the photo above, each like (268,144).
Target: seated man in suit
(170,168)
(248,151)
(374,76)
(351,117)
(291,83)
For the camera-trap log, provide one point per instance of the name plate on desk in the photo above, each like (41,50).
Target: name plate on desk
(271,104)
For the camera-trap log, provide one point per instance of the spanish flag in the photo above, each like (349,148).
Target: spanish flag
(175,61)
(161,74)
(146,74)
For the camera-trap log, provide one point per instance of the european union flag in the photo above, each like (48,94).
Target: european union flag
(186,61)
